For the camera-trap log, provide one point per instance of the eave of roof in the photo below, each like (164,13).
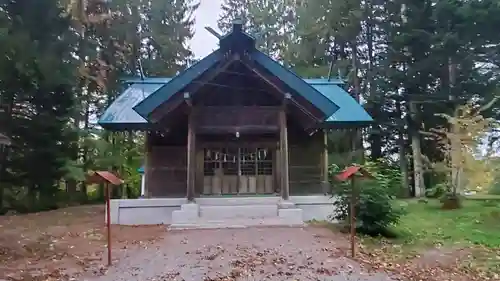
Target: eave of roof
(311,94)
(146,106)
(350,110)
(120,115)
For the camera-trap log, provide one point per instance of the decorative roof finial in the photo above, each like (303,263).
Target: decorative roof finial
(238,24)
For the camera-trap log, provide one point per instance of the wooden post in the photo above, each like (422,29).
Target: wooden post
(324,162)
(350,173)
(108,221)
(106,178)
(277,169)
(285,184)
(191,158)
(147,163)
(353,216)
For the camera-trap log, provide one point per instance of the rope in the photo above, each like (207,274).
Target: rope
(260,154)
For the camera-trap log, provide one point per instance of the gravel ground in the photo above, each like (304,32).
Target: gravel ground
(242,254)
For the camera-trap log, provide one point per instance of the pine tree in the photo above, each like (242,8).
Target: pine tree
(37,97)
(169,28)
(231,10)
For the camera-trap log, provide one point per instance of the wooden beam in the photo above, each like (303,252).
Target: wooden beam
(191,157)
(285,184)
(194,87)
(282,91)
(237,144)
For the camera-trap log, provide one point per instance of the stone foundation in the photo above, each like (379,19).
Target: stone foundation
(220,211)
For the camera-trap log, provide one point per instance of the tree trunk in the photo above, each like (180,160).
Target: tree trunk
(375,138)
(455,142)
(71,184)
(3,159)
(85,152)
(4,150)
(130,146)
(418,167)
(358,144)
(403,164)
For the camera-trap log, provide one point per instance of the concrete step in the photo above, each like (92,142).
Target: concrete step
(238,211)
(238,201)
(236,223)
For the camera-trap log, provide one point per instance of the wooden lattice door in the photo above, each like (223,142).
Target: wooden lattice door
(238,170)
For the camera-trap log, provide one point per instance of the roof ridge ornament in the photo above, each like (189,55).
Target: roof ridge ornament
(238,24)
(213,32)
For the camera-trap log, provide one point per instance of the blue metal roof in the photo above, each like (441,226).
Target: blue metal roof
(324,81)
(146,106)
(121,112)
(327,106)
(350,110)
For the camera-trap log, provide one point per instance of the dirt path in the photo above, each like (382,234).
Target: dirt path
(61,244)
(242,254)
(69,244)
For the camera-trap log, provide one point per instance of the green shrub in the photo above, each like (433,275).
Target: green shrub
(436,191)
(387,175)
(494,188)
(375,209)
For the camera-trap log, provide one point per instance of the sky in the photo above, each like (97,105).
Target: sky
(203,43)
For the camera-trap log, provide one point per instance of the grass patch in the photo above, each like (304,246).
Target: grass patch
(475,226)
(477,223)
(483,196)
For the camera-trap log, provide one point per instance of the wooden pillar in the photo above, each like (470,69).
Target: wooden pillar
(285,184)
(147,163)
(324,163)
(277,169)
(191,157)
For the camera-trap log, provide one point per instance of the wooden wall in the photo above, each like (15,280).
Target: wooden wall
(168,160)
(306,164)
(168,176)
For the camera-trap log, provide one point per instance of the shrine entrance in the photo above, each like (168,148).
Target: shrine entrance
(239,170)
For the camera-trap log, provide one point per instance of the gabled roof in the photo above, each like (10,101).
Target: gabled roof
(121,115)
(241,45)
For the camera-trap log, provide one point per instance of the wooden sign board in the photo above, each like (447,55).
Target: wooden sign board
(352,173)
(106,178)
